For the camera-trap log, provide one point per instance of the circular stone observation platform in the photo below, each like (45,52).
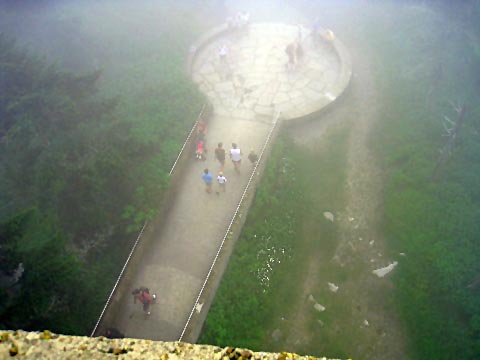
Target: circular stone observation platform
(253,82)
(247,90)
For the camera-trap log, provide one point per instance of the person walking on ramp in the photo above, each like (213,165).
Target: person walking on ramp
(142,294)
(222,183)
(220,155)
(253,157)
(236,156)
(207,178)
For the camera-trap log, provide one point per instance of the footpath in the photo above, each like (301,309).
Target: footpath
(247,85)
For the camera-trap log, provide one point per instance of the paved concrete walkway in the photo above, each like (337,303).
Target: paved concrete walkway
(245,90)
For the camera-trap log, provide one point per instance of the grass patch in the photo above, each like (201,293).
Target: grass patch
(284,228)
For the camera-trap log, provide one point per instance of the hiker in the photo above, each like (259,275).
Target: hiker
(299,33)
(237,20)
(224,69)
(207,179)
(246,19)
(201,129)
(222,53)
(328,36)
(243,20)
(200,151)
(220,155)
(236,156)
(142,294)
(253,157)
(298,52)
(291,51)
(230,21)
(222,182)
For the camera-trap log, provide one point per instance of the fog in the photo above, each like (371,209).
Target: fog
(86,35)
(414,63)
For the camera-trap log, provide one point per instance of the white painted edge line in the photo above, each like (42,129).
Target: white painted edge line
(143,228)
(118,279)
(230,225)
(186,141)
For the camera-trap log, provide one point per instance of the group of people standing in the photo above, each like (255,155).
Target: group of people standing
(240,21)
(220,155)
(294,52)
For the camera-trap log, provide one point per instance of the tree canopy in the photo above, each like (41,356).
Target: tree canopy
(77,176)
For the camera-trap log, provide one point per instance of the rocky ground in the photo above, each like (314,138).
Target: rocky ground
(360,248)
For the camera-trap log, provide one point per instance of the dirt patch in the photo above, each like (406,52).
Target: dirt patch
(369,315)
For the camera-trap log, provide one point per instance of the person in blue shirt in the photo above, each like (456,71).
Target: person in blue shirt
(207,178)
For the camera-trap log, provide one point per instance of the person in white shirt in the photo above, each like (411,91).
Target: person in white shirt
(236,156)
(222,182)
(222,53)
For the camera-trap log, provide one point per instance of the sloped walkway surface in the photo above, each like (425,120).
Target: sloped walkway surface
(246,90)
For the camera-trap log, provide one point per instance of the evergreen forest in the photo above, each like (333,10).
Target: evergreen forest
(90,127)
(85,156)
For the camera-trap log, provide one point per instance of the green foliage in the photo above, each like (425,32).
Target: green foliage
(262,259)
(435,223)
(284,227)
(50,287)
(90,155)
(54,133)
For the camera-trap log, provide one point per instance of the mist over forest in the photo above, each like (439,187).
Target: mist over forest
(96,103)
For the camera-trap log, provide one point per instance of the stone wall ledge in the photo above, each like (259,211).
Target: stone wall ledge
(47,345)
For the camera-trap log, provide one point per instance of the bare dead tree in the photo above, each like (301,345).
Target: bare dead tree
(452,129)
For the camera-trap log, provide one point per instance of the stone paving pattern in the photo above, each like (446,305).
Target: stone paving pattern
(245,93)
(254,82)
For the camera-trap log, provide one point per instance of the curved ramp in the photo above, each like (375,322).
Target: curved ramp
(246,89)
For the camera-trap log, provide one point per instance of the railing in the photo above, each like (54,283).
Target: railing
(275,121)
(112,293)
(118,280)
(187,140)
